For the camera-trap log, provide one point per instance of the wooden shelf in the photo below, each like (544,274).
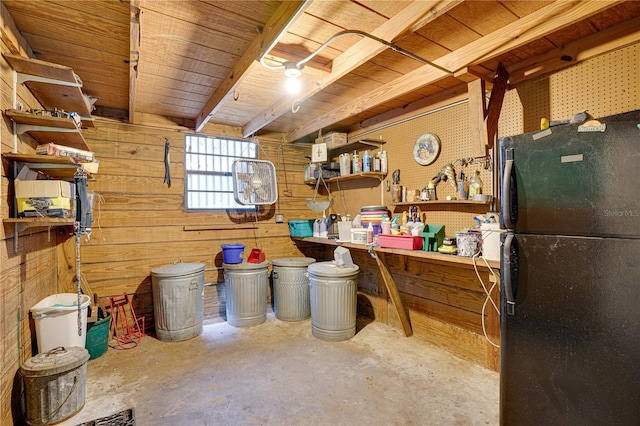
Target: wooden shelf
(443,202)
(53,85)
(61,131)
(62,168)
(23,223)
(355,176)
(356,146)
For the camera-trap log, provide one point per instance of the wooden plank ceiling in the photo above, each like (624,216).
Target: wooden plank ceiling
(195,63)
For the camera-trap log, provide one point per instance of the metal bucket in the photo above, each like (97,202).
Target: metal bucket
(333,296)
(291,288)
(246,288)
(54,385)
(178,300)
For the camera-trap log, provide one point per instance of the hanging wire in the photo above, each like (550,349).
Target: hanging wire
(300,64)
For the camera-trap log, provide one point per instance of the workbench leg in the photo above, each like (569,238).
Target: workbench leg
(393,293)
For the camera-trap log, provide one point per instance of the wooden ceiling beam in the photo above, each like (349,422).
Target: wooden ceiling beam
(414,16)
(597,44)
(520,32)
(275,28)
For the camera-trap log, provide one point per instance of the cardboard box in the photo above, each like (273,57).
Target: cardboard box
(335,139)
(45,198)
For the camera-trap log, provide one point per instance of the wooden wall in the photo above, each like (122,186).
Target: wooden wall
(140,223)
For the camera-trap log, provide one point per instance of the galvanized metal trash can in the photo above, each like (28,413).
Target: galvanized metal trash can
(178,300)
(246,288)
(291,288)
(333,296)
(54,385)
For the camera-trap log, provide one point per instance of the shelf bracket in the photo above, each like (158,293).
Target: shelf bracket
(22,78)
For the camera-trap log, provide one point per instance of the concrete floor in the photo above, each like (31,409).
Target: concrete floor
(277,373)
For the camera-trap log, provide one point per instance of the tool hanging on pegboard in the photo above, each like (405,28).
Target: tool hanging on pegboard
(167,164)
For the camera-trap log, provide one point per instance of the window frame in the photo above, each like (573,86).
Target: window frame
(213,155)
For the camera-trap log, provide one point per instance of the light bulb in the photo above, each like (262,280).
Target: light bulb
(292,85)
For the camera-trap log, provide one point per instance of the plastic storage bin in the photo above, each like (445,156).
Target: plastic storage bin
(178,300)
(232,253)
(246,287)
(54,385)
(56,321)
(301,228)
(407,242)
(291,288)
(333,296)
(98,337)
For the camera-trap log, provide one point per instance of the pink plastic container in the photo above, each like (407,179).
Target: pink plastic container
(407,242)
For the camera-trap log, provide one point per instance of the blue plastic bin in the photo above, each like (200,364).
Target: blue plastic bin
(232,253)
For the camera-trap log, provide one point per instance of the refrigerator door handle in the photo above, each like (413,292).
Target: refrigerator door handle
(508,284)
(505,196)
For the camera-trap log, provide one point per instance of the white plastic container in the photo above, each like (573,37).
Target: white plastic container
(56,320)
(358,236)
(491,240)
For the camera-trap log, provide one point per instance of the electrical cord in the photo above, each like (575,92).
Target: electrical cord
(488,293)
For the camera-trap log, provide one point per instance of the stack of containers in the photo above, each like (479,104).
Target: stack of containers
(373,215)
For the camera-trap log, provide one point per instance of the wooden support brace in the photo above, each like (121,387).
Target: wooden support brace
(393,293)
(484,121)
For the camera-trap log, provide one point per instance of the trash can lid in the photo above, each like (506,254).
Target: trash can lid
(294,261)
(177,269)
(330,269)
(57,360)
(245,266)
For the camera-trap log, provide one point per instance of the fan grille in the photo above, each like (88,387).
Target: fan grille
(254,182)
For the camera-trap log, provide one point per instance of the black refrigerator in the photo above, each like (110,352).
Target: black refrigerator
(570,274)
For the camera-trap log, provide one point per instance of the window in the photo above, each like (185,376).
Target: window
(207,163)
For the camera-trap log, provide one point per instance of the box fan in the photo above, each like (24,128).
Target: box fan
(254,182)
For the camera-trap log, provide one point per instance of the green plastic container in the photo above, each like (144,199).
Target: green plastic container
(98,337)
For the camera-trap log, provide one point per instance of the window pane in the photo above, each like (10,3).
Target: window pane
(208,167)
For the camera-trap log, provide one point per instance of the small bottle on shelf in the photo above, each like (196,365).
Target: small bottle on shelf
(383,161)
(366,162)
(355,162)
(475,184)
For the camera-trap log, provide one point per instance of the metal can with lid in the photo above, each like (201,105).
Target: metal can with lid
(178,300)
(333,294)
(54,384)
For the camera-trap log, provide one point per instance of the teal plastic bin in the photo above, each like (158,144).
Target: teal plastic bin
(433,236)
(301,228)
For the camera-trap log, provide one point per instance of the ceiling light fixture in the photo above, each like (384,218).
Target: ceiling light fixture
(292,71)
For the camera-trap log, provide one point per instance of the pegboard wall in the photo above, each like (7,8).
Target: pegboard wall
(601,86)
